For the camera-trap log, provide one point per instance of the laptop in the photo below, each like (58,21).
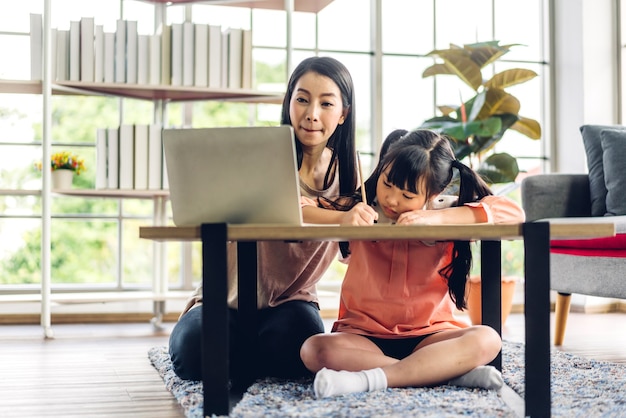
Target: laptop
(237,175)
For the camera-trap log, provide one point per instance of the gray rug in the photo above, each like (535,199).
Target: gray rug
(580,388)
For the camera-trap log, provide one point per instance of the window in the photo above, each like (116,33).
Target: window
(95,241)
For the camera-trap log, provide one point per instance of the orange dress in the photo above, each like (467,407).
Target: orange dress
(392,289)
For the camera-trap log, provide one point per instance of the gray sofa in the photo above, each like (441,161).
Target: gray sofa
(594,267)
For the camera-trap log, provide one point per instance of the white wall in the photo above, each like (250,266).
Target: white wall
(585,61)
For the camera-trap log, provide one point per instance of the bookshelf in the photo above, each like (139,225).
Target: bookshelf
(160,95)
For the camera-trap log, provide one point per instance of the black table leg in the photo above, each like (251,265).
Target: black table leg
(537,318)
(491,289)
(215,330)
(247,309)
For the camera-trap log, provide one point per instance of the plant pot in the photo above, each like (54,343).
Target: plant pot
(474,300)
(62,179)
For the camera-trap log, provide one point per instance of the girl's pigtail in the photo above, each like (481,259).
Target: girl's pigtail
(471,189)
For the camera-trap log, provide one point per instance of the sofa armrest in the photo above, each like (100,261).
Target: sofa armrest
(556,196)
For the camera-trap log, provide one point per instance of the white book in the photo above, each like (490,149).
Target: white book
(155,157)
(201,55)
(155,60)
(98,47)
(101,158)
(120,51)
(36,46)
(141,157)
(188,51)
(53,57)
(131,51)
(75,50)
(177,54)
(143,59)
(113,158)
(109,57)
(246,59)
(62,55)
(127,156)
(165,31)
(235,44)
(87,54)
(215,56)
(224,60)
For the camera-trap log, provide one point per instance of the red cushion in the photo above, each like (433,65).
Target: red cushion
(595,247)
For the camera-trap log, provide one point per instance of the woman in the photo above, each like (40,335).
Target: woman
(319,105)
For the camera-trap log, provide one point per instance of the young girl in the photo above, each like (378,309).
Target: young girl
(319,105)
(396,325)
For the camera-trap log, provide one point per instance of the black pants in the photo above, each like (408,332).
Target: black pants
(282,330)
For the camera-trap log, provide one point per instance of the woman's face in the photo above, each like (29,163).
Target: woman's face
(315,109)
(394,201)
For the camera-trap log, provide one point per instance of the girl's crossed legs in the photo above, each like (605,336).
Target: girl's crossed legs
(452,356)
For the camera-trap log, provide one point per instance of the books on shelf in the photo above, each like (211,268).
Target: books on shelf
(36,46)
(62,55)
(154,57)
(120,51)
(109,57)
(127,156)
(180,54)
(113,158)
(86,50)
(215,56)
(98,48)
(177,54)
(74,50)
(188,53)
(155,157)
(140,166)
(101,158)
(130,157)
(201,55)
(143,58)
(131,51)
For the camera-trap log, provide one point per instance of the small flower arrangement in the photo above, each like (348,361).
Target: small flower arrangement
(65,160)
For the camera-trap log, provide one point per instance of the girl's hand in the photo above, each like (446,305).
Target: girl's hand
(360,214)
(419,217)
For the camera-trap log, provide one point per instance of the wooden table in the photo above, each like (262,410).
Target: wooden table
(536,237)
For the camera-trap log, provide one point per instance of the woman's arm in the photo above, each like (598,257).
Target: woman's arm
(360,214)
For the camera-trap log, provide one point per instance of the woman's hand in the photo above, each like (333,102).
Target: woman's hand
(360,214)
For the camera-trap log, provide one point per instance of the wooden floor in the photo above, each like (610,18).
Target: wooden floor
(103,370)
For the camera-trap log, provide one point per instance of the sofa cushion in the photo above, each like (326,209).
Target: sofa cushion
(593,148)
(598,247)
(614,166)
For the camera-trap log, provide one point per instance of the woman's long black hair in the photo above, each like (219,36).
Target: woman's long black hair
(342,141)
(428,157)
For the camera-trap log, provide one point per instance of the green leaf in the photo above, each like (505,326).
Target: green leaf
(499,168)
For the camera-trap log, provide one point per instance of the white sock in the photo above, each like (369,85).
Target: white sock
(486,377)
(332,383)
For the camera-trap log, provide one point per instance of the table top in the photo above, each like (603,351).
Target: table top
(378,232)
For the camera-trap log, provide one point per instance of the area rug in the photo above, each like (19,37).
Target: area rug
(580,388)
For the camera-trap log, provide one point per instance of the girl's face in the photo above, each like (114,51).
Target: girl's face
(315,109)
(394,201)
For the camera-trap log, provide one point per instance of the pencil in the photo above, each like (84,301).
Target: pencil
(358,160)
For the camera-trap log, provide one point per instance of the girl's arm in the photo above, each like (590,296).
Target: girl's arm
(490,209)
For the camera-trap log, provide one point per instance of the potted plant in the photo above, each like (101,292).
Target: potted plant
(64,165)
(476,125)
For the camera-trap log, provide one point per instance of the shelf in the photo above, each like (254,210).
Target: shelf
(111,193)
(142,92)
(310,6)
(97,297)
